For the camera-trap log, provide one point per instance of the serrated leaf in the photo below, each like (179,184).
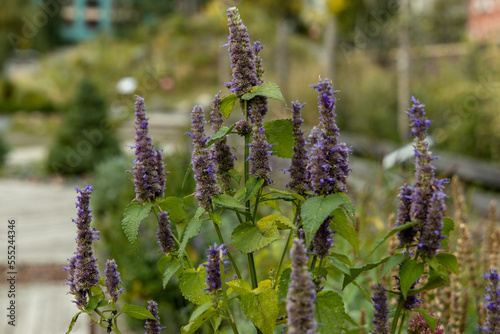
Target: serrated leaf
(248,238)
(261,307)
(235,175)
(201,315)
(315,210)
(175,208)
(408,274)
(391,233)
(280,221)
(393,261)
(170,269)
(92,303)
(433,282)
(283,284)
(448,226)
(219,134)
(267,89)
(329,312)
(133,215)
(286,193)
(279,133)
(429,319)
(355,271)
(162,263)
(227,105)
(228,202)
(342,258)
(343,229)
(192,230)
(449,261)
(252,186)
(215,217)
(137,312)
(192,285)
(340,266)
(270,203)
(239,286)
(349,207)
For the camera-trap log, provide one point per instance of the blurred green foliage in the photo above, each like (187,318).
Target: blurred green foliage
(86,137)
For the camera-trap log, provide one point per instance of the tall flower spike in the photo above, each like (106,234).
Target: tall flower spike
(112,280)
(260,151)
(83,266)
(431,236)
(153,326)
(215,256)
(203,165)
(298,173)
(301,293)
(221,151)
(381,314)
(323,240)
(492,305)
(407,236)
(164,234)
(149,170)
(244,73)
(326,106)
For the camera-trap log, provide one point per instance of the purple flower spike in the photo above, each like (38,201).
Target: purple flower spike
(381,314)
(492,305)
(83,266)
(323,240)
(149,170)
(298,173)
(215,256)
(301,293)
(406,237)
(221,151)
(260,151)
(431,235)
(153,326)
(242,55)
(112,280)
(164,234)
(203,166)
(326,105)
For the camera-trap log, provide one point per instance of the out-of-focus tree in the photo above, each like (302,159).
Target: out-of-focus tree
(447,21)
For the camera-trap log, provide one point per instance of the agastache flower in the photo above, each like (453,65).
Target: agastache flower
(326,106)
(164,234)
(407,236)
(153,326)
(323,240)
(260,151)
(431,236)
(301,293)
(492,305)
(381,314)
(215,256)
(203,165)
(221,151)
(112,280)
(83,266)
(149,170)
(241,53)
(298,172)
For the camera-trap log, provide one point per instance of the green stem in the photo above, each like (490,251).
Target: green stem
(230,257)
(313,262)
(402,323)
(253,273)
(399,308)
(254,216)
(224,297)
(285,251)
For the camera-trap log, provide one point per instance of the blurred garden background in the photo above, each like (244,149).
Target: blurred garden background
(70,70)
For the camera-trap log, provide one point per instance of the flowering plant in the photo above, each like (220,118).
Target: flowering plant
(294,294)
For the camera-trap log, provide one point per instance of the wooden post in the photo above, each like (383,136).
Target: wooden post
(403,69)
(331,46)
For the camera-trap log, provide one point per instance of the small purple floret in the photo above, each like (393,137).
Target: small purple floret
(164,234)
(381,314)
(112,280)
(492,303)
(153,326)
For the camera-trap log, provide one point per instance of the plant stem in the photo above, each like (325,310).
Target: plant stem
(313,262)
(224,296)
(230,257)
(402,323)
(399,308)
(285,250)
(253,273)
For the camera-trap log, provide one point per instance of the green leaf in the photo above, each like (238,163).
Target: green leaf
(261,307)
(270,203)
(340,266)
(175,208)
(162,263)
(280,221)
(235,175)
(393,261)
(349,207)
(92,303)
(279,133)
(133,215)
(391,233)
(201,315)
(219,134)
(342,258)
(215,217)
(192,285)
(192,230)
(329,312)
(314,212)
(239,286)
(408,274)
(252,186)
(287,194)
(355,271)
(186,175)
(433,282)
(248,238)
(228,202)
(137,312)
(448,226)
(429,319)
(283,284)
(227,105)
(449,261)
(267,89)
(344,229)
(170,270)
